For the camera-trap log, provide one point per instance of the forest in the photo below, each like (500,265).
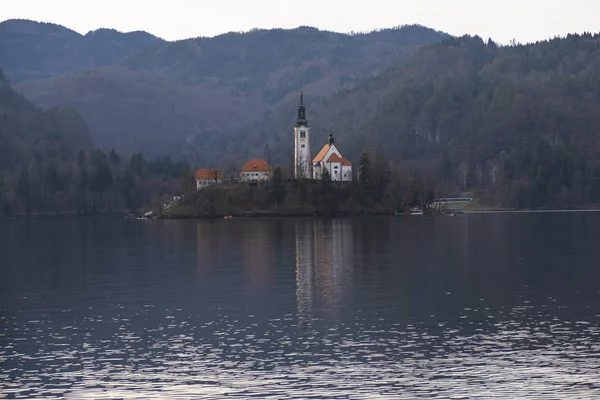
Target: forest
(48,165)
(514,125)
(517,125)
(138,93)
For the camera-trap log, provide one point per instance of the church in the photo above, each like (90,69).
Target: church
(329,161)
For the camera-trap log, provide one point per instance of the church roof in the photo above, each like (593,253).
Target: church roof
(254,165)
(208,174)
(322,153)
(334,158)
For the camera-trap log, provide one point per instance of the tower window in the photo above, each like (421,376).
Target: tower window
(302,146)
(302,134)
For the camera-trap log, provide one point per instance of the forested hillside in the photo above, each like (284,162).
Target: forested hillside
(33,50)
(182,97)
(518,123)
(48,164)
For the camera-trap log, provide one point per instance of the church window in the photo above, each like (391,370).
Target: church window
(302,134)
(302,146)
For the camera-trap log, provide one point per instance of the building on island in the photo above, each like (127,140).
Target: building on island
(302,165)
(330,159)
(255,170)
(205,177)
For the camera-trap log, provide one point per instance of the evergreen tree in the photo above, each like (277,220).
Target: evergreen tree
(364,168)
(114,158)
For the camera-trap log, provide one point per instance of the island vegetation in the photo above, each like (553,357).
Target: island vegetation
(380,189)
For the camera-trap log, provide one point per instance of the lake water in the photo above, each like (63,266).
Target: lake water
(475,306)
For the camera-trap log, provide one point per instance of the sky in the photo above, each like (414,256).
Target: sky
(522,20)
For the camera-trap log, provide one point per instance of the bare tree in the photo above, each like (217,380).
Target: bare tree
(463,170)
(188,185)
(233,167)
(479,174)
(267,153)
(493,168)
(215,174)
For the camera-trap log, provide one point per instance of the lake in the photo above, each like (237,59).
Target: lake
(499,305)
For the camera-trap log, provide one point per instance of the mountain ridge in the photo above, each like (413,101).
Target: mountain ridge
(179,97)
(35,50)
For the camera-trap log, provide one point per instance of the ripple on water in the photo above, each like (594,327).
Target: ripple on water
(188,358)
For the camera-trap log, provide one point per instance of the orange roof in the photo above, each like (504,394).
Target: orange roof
(208,174)
(346,163)
(334,158)
(256,164)
(322,153)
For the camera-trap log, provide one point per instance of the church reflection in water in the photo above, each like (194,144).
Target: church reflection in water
(324,267)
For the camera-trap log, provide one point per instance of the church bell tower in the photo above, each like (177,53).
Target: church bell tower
(302,161)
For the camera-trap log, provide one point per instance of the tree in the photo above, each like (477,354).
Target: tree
(233,167)
(479,173)
(364,168)
(463,170)
(267,153)
(188,185)
(139,165)
(380,175)
(114,158)
(215,175)
(278,188)
(25,188)
(102,176)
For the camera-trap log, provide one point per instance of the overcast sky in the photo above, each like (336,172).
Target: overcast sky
(502,20)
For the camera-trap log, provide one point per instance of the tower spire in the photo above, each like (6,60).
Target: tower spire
(301,121)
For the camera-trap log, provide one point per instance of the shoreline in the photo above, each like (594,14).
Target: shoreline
(278,214)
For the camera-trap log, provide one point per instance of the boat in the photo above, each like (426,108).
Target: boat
(453,212)
(228,217)
(415,211)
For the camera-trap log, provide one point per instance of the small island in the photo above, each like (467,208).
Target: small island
(324,185)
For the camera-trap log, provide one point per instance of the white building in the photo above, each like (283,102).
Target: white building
(255,170)
(302,165)
(330,159)
(205,177)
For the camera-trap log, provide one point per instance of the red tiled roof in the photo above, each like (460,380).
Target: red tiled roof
(208,174)
(334,158)
(256,164)
(346,163)
(322,153)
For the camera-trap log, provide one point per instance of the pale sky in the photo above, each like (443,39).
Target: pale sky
(502,20)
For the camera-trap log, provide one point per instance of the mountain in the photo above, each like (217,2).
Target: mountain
(518,123)
(27,131)
(34,50)
(48,164)
(36,146)
(183,97)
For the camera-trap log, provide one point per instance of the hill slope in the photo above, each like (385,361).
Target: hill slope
(520,123)
(180,97)
(33,50)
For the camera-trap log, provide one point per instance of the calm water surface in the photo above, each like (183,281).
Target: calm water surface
(477,306)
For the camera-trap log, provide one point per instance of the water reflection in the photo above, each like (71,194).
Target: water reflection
(481,306)
(324,267)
